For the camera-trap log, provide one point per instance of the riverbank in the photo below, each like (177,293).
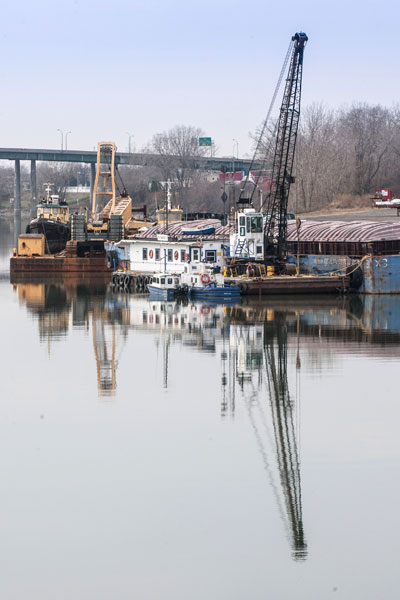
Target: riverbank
(351,214)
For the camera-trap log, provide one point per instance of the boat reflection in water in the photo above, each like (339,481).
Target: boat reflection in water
(260,346)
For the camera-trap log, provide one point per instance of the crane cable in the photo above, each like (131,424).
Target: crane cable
(124,192)
(278,85)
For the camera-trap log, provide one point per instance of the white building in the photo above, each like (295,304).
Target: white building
(182,246)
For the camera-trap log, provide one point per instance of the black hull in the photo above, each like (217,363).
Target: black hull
(57,234)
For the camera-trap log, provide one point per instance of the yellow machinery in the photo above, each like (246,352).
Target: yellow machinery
(31,244)
(109,214)
(105,169)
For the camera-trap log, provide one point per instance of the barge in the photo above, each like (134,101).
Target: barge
(368,250)
(78,257)
(292,284)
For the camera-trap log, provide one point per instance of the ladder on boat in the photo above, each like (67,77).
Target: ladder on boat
(242,249)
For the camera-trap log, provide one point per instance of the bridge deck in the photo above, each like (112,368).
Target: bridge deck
(124,158)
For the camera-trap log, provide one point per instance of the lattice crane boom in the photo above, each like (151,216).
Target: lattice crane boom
(275,230)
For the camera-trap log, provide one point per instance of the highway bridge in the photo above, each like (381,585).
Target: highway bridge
(122,158)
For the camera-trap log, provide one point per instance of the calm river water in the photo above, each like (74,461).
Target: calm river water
(156,450)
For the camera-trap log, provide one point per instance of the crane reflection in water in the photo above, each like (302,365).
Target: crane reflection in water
(260,349)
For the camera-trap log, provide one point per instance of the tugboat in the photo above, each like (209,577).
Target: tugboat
(52,219)
(208,284)
(165,286)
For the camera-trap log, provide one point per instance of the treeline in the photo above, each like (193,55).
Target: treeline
(343,155)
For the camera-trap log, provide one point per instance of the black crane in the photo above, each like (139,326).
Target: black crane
(275,228)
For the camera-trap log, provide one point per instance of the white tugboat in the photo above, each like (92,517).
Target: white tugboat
(164,286)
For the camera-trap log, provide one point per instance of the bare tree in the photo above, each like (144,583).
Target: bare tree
(178,149)
(319,158)
(6,186)
(368,134)
(61,175)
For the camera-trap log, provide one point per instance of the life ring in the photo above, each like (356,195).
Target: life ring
(205,278)
(205,310)
(187,257)
(176,254)
(151,253)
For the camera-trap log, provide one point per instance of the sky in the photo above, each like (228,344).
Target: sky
(107,70)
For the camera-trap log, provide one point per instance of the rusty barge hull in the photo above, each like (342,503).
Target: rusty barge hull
(291,284)
(380,274)
(58,265)
(78,258)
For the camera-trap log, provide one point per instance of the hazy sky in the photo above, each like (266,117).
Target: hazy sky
(102,68)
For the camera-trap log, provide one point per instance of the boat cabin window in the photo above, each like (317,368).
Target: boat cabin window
(256,224)
(242,221)
(169,280)
(248,224)
(162,280)
(196,254)
(157,254)
(169,254)
(176,281)
(183,255)
(211,255)
(144,253)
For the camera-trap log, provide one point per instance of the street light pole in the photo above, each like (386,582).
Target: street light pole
(62,139)
(235,142)
(66,139)
(130,136)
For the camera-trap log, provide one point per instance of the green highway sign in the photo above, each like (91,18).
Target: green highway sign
(205,141)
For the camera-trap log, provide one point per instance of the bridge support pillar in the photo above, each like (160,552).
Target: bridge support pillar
(92,178)
(33,189)
(17,198)
(17,202)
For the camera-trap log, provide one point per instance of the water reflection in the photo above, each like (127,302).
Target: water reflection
(261,350)
(259,359)
(240,334)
